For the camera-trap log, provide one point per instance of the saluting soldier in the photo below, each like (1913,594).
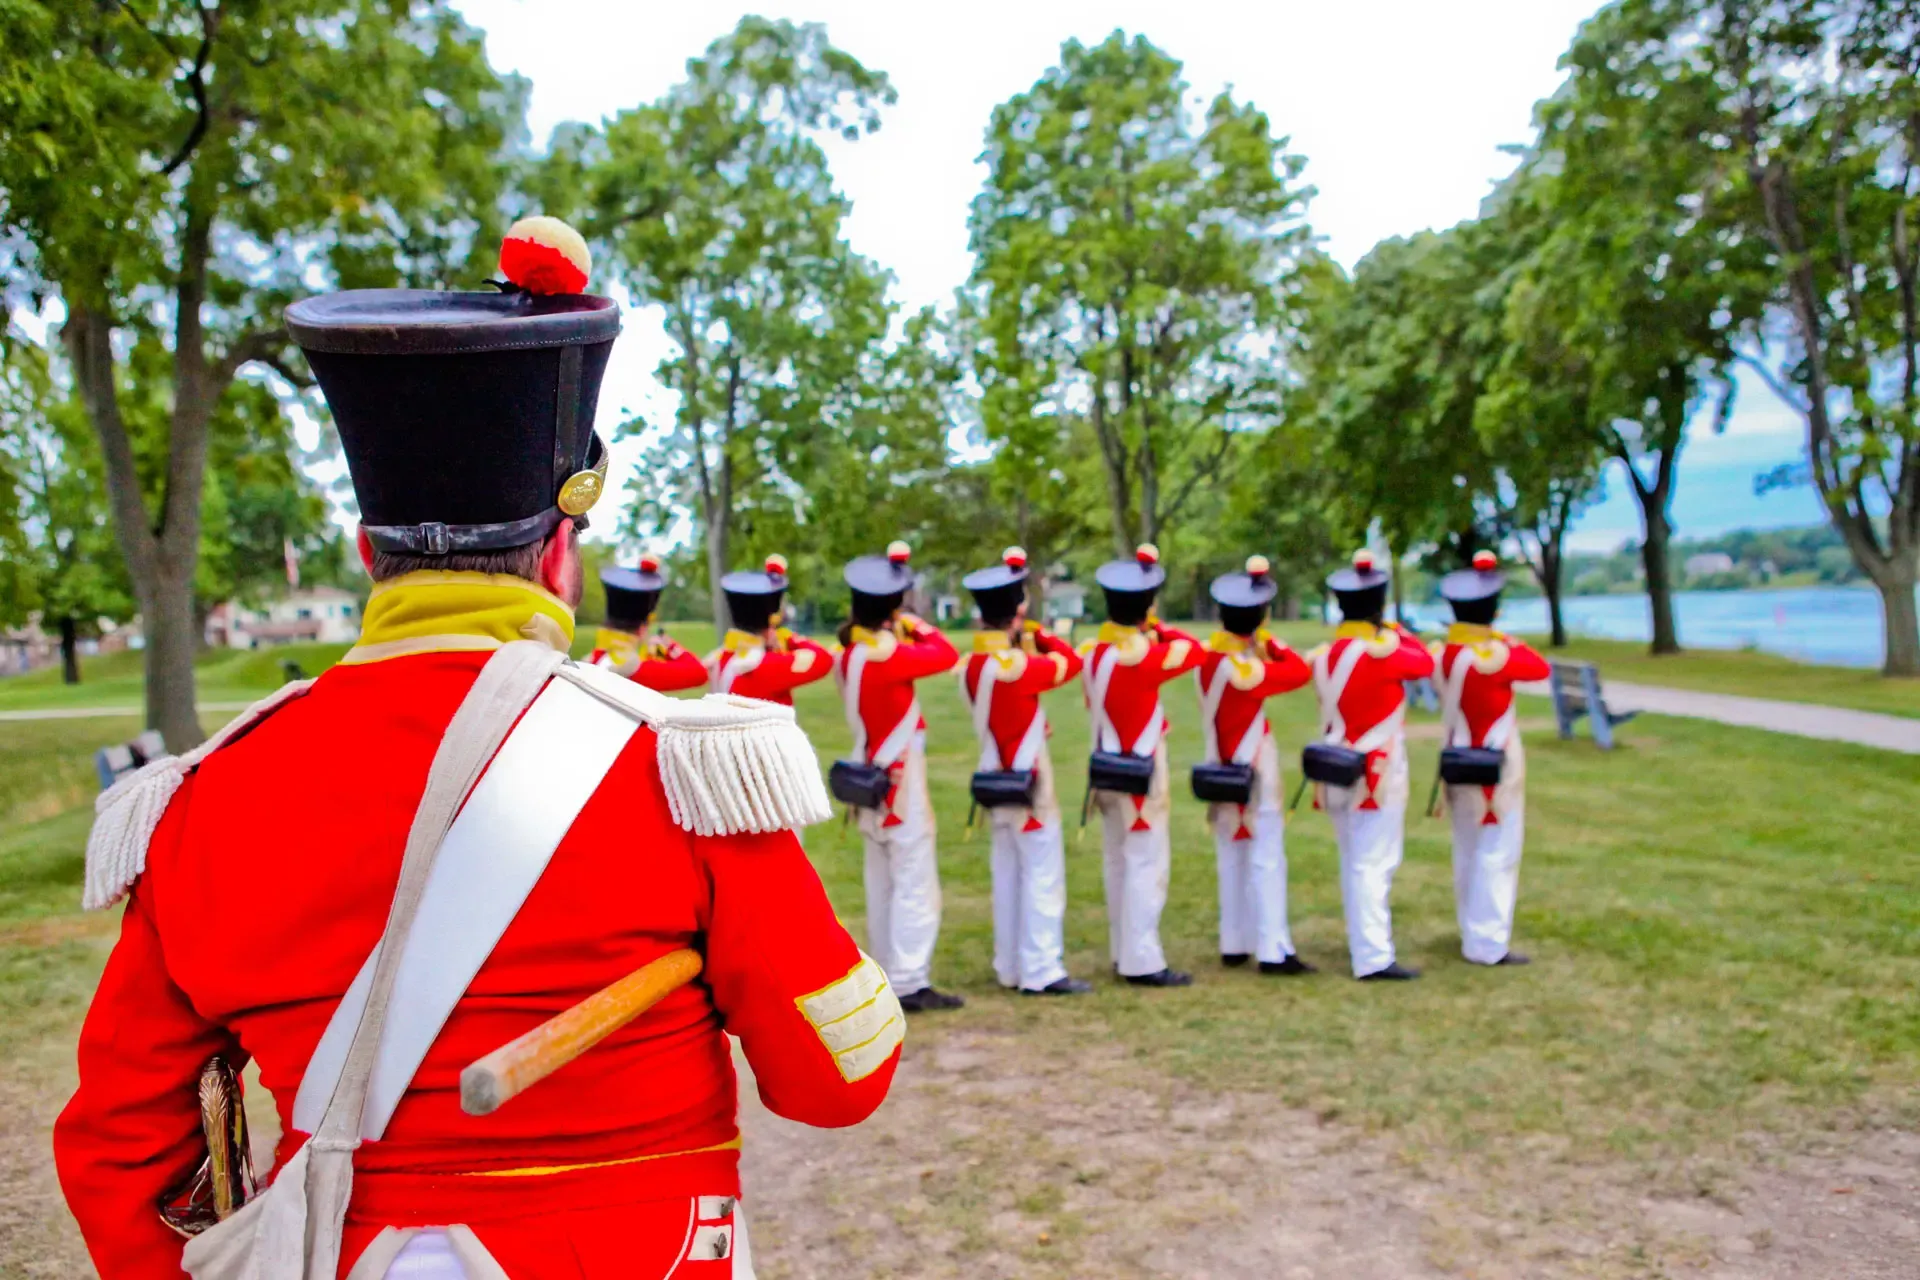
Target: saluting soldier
(759,658)
(1132,655)
(1477,669)
(884,651)
(626,644)
(1013,662)
(1363,707)
(1245,665)
(612,827)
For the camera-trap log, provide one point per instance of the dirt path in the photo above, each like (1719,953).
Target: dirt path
(998,1158)
(1802,719)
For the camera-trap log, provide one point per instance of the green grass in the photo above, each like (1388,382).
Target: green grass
(117,680)
(1725,926)
(1754,674)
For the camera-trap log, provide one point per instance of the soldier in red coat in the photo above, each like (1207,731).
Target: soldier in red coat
(759,658)
(1359,678)
(884,652)
(1013,662)
(609,828)
(1126,663)
(626,644)
(1477,669)
(1244,665)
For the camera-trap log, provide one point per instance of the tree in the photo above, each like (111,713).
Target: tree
(61,565)
(1644,274)
(1132,271)
(716,204)
(182,171)
(1809,111)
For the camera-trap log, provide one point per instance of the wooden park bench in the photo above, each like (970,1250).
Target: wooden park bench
(1576,692)
(114,763)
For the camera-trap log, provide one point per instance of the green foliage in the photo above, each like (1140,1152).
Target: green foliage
(1131,281)
(716,205)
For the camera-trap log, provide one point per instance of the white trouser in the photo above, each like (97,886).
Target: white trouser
(903,881)
(1029,901)
(1253,884)
(1137,864)
(1486,874)
(1371,843)
(429,1255)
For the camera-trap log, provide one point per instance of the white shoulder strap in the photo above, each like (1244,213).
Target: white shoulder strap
(1212,693)
(981,704)
(1331,684)
(850,682)
(493,855)
(1105,736)
(1452,719)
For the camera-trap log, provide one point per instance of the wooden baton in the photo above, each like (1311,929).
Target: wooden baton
(514,1067)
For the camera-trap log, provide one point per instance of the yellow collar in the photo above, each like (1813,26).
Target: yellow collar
(434,611)
(1119,633)
(1470,633)
(738,641)
(1227,642)
(872,639)
(990,641)
(1357,631)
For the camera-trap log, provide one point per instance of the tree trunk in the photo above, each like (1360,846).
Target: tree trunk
(716,531)
(1556,623)
(166,612)
(1654,551)
(1902,623)
(69,651)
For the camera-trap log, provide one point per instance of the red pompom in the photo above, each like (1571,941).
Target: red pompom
(1014,557)
(1257,567)
(899,552)
(545,256)
(777,565)
(1147,553)
(1485,561)
(1363,561)
(649,564)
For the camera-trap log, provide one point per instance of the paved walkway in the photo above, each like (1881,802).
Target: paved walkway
(1804,719)
(83,713)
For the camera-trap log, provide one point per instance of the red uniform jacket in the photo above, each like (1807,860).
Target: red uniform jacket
(663,663)
(1495,663)
(745,665)
(268,883)
(888,712)
(1022,676)
(1374,692)
(1264,667)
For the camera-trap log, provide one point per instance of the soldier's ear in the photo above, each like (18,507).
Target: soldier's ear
(560,564)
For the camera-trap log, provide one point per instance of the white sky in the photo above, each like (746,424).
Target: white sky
(1400,106)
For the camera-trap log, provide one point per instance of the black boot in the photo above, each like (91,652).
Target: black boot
(1394,972)
(1513,957)
(1164,978)
(1060,987)
(1233,960)
(927,998)
(1291,965)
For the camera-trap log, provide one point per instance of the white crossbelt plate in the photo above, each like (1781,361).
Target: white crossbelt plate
(494,854)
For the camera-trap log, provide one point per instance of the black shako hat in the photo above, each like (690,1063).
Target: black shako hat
(1362,589)
(1254,589)
(633,594)
(467,418)
(998,590)
(753,596)
(1484,580)
(1140,576)
(880,577)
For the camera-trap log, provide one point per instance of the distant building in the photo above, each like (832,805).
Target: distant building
(1708,563)
(323,615)
(1065,599)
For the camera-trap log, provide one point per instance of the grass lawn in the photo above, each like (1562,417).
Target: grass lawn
(1725,926)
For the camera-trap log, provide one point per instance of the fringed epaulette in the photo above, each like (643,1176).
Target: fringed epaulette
(127,813)
(730,765)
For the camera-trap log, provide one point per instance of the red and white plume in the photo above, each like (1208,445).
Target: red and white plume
(1257,567)
(1485,561)
(546,256)
(776,565)
(1363,560)
(1147,553)
(899,552)
(1014,557)
(649,564)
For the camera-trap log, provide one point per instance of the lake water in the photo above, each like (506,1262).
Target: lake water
(1839,626)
